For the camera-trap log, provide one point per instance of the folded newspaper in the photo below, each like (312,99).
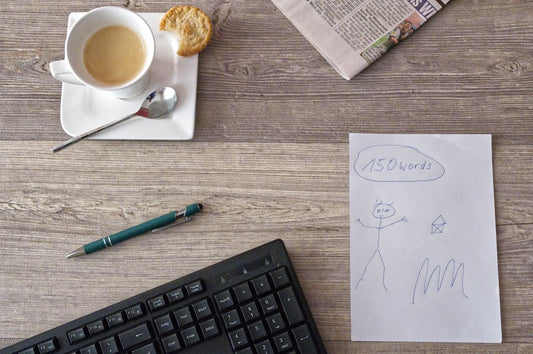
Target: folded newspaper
(352,34)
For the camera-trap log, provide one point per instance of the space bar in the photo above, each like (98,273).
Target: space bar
(132,337)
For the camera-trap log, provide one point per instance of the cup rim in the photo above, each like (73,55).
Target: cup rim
(150,54)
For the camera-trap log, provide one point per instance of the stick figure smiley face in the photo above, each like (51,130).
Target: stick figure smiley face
(383,211)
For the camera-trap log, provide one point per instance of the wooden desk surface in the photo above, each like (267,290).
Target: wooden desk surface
(269,159)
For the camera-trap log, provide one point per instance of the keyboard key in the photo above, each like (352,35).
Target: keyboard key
(183,317)
(257,331)
(245,351)
(201,309)
(279,277)
(194,288)
(268,304)
(76,335)
(243,292)
(209,328)
(91,349)
(265,347)
(290,305)
(175,295)
(132,337)
(261,285)
(134,312)
(48,346)
(147,349)
(224,300)
(238,338)
(283,342)
(95,327)
(114,320)
(275,323)
(171,343)
(108,346)
(156,303)
(27,351)
(231,319)
(250,312)
(304,341)
(163,324)
(190,336)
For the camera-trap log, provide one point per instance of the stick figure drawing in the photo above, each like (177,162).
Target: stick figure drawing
(381,212)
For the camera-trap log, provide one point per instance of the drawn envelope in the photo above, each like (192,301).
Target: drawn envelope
(437,227)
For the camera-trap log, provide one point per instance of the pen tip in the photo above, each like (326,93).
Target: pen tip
(76,253)
(200,206)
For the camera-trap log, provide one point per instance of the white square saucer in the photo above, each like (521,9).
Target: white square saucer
(84,108)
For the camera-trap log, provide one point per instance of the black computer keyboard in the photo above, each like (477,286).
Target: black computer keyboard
(250,303)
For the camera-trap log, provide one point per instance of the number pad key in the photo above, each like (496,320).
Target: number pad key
(290,306)
(224,300)
(279,277)
(261,285)
(243,292)
(265,347)
(238,338)
(231,319)
(250,312)
(282,342)
(304,341)
(257,331)
(268,304)
(275,323)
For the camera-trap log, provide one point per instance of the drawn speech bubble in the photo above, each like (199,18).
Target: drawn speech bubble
(396,163)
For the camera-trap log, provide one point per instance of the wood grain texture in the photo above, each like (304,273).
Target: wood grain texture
(269,160)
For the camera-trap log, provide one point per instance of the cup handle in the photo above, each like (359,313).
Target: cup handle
(62,71)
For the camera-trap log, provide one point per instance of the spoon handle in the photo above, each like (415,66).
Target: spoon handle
(89,133)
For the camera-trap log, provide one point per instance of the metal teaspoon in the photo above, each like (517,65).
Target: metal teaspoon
(157,104)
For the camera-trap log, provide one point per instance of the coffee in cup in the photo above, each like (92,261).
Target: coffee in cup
(110,49)
(114,55)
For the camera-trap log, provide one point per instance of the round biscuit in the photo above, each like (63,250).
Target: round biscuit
(191,24)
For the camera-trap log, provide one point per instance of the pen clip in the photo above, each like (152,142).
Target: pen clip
(175,223)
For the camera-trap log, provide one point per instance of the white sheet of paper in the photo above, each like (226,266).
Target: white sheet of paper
(423,259)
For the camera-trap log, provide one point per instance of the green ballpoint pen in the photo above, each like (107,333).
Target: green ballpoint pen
(159,223)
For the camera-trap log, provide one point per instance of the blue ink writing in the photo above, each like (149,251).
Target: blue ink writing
(391,163)
(439,279)
(396,163)
(437,226)
(381,211)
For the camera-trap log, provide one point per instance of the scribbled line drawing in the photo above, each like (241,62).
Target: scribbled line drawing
(381,211)
(440,279)
(437,226)
(396,163)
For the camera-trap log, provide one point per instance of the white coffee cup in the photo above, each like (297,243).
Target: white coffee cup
(73,70)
